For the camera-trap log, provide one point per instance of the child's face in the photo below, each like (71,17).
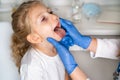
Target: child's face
(45,24)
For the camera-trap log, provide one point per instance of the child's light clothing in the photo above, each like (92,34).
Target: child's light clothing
(35,65)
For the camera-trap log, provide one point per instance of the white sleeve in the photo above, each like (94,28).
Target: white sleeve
(31,72)
(107,48)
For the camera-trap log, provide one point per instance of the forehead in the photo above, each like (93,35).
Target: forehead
(36,11)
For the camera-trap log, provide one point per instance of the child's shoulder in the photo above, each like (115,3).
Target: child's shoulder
(30,56)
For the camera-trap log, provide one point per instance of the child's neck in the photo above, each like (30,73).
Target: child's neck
(46,48)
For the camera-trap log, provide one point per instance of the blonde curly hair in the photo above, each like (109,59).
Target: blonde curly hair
(21,28)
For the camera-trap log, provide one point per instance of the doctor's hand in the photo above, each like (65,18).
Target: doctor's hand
(76,36)
(65,55)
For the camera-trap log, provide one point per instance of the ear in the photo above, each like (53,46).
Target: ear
(34,38)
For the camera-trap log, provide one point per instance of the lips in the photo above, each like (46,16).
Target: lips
(60,31)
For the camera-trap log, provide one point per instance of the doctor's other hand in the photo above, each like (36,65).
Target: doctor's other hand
(67,41)
(77,37)
(65,55)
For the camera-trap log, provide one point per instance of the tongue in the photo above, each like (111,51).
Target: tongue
(60,32)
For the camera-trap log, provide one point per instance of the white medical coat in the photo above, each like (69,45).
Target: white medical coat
(36,65)
(107,48)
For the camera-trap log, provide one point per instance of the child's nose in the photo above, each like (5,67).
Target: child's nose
(55,18)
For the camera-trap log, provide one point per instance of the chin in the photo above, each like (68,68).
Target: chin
(58,38)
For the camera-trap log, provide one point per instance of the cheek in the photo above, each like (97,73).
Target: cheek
(44,31)
(48,32)
(52,34)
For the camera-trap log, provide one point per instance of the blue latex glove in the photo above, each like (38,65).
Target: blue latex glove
(65,55)
(77,38)
(67,41)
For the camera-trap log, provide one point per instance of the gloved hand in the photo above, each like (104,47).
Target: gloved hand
(65,55)
(67,41)
(77,38)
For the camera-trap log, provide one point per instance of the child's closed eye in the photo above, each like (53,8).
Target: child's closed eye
(43,19)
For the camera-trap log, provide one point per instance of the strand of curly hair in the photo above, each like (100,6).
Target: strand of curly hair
(21,28)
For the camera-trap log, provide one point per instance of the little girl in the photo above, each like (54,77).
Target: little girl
(36,58)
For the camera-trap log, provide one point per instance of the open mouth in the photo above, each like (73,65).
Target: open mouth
(60,31)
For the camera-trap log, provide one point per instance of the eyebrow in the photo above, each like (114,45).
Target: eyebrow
(48,9)
(39,14)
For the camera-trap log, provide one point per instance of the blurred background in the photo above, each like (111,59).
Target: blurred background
(104,22)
